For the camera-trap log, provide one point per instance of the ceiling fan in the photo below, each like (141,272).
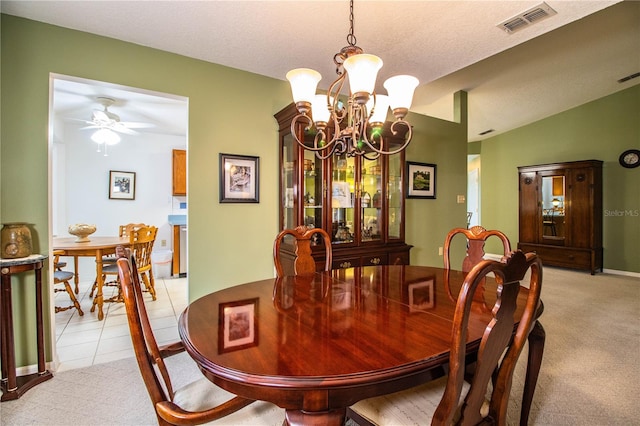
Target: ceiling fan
(105,119)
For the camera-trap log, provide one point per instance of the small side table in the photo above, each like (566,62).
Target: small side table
(14,387)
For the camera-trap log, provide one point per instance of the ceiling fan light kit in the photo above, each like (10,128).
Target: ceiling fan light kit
(354,129)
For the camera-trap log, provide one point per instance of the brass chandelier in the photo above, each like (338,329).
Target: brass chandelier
(354,129)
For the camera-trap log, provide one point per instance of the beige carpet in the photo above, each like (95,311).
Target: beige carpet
(590,372)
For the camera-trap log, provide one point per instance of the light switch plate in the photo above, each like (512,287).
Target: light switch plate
(461,199)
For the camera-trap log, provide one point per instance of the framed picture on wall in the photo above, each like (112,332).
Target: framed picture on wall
(239,179)
(122,185)
(421,180)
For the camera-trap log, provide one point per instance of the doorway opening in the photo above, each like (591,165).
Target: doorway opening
(473,190)
(147,127)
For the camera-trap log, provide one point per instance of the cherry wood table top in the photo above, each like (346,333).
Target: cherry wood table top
(316,345)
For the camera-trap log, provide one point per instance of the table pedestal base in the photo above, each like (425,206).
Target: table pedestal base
(23,384)
(328,418)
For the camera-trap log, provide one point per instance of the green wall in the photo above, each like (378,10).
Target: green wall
(230,111)
(428,221)
(599,130)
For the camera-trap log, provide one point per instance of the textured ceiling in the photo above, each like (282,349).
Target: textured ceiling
(563,61)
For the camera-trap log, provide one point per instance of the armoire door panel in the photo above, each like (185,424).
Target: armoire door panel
(529,206)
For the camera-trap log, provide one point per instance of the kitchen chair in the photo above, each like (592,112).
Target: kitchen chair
(141,240)
(441,401)
(123,231)
(304,239)
(196,403)
(58,265)
(61,276)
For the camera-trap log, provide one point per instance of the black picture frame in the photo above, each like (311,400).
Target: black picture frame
(421,180)
(122,185)
(239,178)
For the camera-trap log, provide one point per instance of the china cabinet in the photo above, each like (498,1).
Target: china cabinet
(358,201)
(560,213)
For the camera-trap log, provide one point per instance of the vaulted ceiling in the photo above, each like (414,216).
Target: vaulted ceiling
(567,59)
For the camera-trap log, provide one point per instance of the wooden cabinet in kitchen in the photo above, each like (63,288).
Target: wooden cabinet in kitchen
(179,172)
(358,201)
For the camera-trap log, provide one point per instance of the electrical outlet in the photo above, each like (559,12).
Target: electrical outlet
(163,243)
(440,251)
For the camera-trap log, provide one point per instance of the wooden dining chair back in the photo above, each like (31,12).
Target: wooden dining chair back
(476,239)
(61,284)
(142,240)
(184,406)
(304,238)
(457,401)
(109,260)
(499,348)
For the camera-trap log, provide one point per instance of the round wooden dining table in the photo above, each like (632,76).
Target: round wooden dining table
(317,344)
(95,247)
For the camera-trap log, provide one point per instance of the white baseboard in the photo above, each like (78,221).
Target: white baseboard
(494,256)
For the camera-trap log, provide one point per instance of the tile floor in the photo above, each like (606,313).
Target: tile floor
(82,341)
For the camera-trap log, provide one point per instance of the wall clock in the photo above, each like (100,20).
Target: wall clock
(630,158)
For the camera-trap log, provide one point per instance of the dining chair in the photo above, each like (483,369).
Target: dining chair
(59,265)
(108,259)
(451,400)
(60,276)
(141,240)
(476,238)
(549,222)
(304,239)
(196,403)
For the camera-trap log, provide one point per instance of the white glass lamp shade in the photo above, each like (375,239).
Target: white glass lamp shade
(362,70)
(105,136)
(319,109)
(381,108)
(303,84)
(400,89)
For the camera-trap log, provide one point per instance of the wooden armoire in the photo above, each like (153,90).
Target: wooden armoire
(560,213)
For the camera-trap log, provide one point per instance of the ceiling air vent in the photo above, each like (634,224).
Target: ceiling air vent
(526,18)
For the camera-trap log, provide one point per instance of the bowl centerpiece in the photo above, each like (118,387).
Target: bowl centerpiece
(82,231)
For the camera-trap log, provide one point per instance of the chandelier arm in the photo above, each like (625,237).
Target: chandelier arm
(407,139)
(334,92)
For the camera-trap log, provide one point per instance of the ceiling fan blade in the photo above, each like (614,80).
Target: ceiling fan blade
(118,127)
(137,125)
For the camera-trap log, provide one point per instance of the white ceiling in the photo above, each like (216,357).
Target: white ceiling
(563,61)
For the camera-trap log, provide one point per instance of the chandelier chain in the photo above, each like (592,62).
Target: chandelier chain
(351,38)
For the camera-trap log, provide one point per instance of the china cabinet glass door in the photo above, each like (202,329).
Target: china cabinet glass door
(371,198)
(395,197)
(343,197)
(312,188)
(287,182)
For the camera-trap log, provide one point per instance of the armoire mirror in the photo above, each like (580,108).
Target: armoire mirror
(553,198)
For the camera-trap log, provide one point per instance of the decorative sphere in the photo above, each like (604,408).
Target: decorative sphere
(82,231)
